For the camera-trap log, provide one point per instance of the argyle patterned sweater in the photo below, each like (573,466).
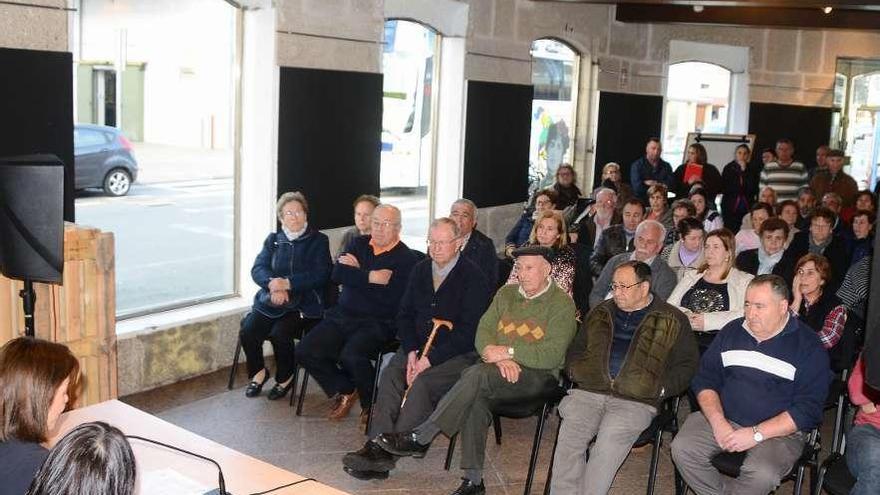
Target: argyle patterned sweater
(539,329)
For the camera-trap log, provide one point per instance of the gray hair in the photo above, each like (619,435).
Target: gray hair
(287,198)
(602,190)
(464,201)
(645,223)
(437,222)
(775,282)
(393,208)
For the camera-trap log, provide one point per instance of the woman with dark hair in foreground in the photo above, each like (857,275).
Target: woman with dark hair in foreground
(92,459)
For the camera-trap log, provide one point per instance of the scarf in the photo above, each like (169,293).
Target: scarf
(291,235)
(819,248)
(766,262)
(686,255)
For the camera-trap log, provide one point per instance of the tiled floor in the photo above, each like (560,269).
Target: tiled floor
(311,446)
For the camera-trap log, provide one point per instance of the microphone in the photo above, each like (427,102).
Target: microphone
(222,484)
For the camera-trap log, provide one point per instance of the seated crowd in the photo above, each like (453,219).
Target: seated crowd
(630,299)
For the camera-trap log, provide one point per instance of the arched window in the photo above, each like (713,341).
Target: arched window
(697,100)
(409,68)
(554,109)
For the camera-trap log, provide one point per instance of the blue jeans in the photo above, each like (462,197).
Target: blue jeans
(863,459)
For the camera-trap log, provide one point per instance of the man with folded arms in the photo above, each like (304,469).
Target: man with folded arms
(449,287)
(631,352)
(761,387)
(373,273)
(522,339)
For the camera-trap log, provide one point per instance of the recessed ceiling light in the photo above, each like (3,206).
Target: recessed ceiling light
(698,8)
(828,9)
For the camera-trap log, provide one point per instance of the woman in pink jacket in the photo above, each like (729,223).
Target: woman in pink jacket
(863,441)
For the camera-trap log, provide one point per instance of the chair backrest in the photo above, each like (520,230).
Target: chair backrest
(843,355)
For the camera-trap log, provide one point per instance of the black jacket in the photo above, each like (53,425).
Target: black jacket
(747,261)
(612,243)
(711,182)
(462,298)
(481,250)
(736,182)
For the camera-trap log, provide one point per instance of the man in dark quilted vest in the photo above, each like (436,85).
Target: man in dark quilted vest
(632,351)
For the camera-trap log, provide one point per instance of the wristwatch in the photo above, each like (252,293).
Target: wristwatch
(757,435)
(510,352)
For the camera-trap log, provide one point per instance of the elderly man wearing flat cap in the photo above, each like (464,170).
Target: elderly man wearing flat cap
(522,339)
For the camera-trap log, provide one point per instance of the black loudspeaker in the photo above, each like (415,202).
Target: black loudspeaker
(31,223)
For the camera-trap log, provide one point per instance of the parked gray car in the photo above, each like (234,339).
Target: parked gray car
(103,158)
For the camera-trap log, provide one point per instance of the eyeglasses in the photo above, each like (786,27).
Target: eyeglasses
(615,287)
(294,214)
(441,244)
(383,225)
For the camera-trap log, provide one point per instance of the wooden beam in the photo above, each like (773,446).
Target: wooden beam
(749,16)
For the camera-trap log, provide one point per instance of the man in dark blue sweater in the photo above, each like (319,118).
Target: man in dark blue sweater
(761,387)
(373,272)
(649,170)
(475,245)
(447,287)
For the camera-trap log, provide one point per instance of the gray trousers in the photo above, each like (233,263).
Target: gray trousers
(465,409)
(763,469)
(614,423)
(426,391)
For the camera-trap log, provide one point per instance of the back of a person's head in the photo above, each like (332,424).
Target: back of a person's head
(31,371)
(92,459)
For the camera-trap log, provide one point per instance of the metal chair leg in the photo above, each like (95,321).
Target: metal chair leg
(655,460)
(552,455)
(293,388)
(375,391)
(302,393)
(536,447)
(449,451)
(496,424)
(234,369)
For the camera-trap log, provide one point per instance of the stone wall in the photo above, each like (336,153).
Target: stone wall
(34,25)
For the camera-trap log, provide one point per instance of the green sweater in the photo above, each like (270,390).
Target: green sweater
(539,329)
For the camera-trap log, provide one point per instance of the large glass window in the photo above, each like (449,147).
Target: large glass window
(697,100)
(554,77)
(856,122)
(155,81)
(409,65)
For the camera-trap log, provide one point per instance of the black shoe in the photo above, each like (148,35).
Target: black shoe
(402,444)
(254,388)
(280,391)
(366,475)
(370,457)
(469,488)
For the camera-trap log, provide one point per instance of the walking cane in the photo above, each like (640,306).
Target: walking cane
(425,350)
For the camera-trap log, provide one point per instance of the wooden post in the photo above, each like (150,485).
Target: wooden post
(80,313)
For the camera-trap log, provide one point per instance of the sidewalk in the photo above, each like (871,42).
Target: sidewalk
(164,163)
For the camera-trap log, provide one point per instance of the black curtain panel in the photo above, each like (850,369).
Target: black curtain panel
(36,109)
(329,138)
(496,146)
(626,122)
(807,127)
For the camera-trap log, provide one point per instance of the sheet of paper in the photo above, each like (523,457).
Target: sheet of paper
(166,481)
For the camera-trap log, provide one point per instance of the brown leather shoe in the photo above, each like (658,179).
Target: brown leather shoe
(342,406)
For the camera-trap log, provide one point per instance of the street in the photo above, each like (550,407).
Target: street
(174,241)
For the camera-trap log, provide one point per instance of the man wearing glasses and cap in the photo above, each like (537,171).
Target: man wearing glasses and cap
(522,339)
(631,352)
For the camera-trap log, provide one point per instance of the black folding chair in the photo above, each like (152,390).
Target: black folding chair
(518,409)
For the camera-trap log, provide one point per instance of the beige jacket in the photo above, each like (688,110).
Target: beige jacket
(737,282)
(674,261)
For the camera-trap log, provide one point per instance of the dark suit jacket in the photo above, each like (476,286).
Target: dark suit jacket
(481,250)
(612,243)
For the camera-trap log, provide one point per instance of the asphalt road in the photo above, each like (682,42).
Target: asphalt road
(174,240)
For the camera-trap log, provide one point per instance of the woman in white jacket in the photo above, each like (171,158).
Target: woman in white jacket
(714,294)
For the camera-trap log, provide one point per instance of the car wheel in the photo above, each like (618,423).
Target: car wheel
(117,182)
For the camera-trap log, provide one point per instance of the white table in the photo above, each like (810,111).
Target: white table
(243,474)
